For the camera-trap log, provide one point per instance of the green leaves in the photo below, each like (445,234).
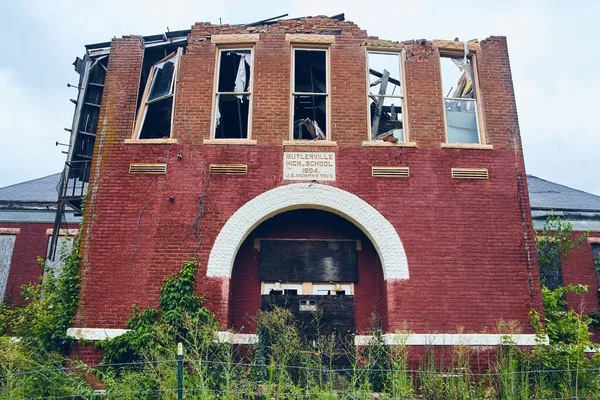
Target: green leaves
(178,304)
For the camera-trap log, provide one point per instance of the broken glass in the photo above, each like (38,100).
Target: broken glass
(459,100)
(162,81)
(233,94)
(310,117)
(157,121)
(388,64)
(157,107)
(310,94)
(7,244)
(386,97)
(390,122)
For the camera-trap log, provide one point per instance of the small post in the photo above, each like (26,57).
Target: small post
(179,371)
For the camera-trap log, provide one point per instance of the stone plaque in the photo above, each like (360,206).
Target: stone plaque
(308,166)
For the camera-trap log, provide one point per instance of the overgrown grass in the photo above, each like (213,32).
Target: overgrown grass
(142,364)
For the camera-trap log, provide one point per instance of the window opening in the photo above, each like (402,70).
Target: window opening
(596,255)
(310,93)
(550,265)
(460,99)
(64,246)
(386,97)
(7,244)
(156,113)
(234,89)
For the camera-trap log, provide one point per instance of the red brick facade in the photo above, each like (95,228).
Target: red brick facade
(31,242)
(469,243)
(579,269)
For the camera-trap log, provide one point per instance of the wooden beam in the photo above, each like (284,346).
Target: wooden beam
(455,45)
(379,75)
(383,86)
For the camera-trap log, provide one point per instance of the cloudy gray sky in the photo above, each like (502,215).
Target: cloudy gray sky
(554,49)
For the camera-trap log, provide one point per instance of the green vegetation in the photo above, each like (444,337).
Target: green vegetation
(283,364)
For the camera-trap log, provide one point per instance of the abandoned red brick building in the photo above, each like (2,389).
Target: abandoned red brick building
(382,182)
(27,214)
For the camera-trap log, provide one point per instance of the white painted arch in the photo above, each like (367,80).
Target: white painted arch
(308,195)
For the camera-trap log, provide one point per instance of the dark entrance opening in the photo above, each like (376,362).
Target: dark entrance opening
(316,264)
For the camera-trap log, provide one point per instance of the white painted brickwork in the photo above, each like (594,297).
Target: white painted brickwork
(309,195)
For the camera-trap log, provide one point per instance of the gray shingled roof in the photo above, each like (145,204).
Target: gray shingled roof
(547,195)
(37,190)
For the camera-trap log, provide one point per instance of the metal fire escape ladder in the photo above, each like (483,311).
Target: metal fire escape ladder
(76,173)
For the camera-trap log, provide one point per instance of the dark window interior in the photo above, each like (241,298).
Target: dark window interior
(233,110)
(310,111)
(157,121)
(157,124)
(596,254)
(550,266)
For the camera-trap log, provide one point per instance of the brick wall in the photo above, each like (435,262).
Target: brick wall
(30,243)
(579,269)
(469,243)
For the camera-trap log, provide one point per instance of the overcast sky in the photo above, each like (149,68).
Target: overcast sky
(554,52)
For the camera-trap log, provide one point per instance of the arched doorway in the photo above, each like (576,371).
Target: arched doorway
(309,260)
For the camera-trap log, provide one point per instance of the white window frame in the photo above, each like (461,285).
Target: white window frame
(143,110)
(4,285)
(268,286)
(307,288)
(326,94)
(401,53)
(216,92)
(316,287)
(476,100)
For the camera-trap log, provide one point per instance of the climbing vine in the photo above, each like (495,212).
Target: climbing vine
(177,306)
(48,307)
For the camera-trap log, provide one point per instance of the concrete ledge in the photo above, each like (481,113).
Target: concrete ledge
(316,143)
(95,333)
(9,231)
(591,239)
(388,144)
(452,339)
(242,142)
(150,141)
(466,146)
(237,338)
(64,232)
(389,339)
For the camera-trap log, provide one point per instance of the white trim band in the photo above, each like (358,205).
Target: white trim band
(376,227)
(63,232)
(10,231)
(95,333)
(237,338)
(452,339)
(389,339)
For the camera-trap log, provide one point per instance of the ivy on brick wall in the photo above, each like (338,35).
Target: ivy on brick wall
(48,307)
(177,306)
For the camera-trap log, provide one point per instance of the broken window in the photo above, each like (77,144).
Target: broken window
(310,91)
(386,97)
(550,264)
(155,116)
(234,90)
(64,246)
(7,244)
(460,99)
(596,254)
